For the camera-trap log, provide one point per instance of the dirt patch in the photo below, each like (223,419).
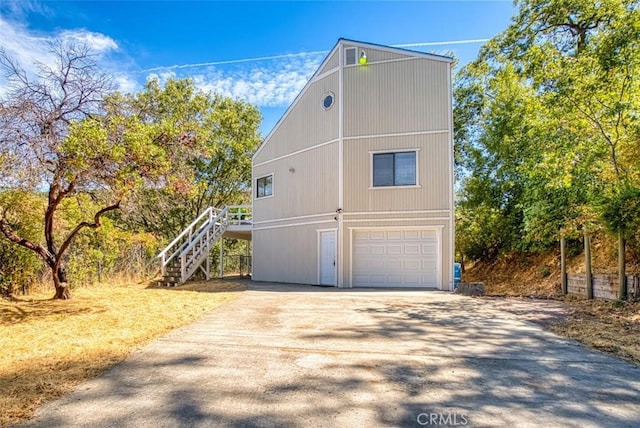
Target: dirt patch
(547,313)
(529,286)
(518,275)
(612,327)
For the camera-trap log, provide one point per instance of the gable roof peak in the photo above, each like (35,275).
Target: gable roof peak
(403,51)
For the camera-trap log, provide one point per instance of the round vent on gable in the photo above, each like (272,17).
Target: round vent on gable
(327,102)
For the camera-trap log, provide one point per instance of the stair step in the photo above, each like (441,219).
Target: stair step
(166,284)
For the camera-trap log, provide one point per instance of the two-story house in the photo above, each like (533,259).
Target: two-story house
(354,185)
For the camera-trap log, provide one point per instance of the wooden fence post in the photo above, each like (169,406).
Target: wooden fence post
(622,276)
(563,265)
(587,265)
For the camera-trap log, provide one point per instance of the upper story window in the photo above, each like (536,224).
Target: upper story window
(395,169)
(264,186)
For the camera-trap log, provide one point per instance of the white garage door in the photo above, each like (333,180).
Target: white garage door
(396,258)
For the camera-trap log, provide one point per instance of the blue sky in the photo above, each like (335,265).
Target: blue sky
(227,47)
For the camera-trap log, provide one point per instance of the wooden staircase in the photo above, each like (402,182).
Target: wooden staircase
(190,251)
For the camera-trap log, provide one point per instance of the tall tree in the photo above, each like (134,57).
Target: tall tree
(65,138)
(571,136)
(225,130)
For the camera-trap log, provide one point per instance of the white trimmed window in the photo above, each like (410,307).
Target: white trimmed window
(264,186)
(395,169)
(350,56)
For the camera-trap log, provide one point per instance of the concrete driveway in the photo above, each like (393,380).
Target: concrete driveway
(284,355)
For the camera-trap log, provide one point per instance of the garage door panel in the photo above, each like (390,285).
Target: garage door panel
(363,236)
(412,235)
(391,235)
(359,279)
(392,265)
(412,264)
(360,250)
(394,249)
(396,258)
(429,249)
(428,234)
(412,249)
(395,279)
(378,249)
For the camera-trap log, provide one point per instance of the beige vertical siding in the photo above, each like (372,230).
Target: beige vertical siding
(303,184)
(287,254)
(332,62)
(395,102)
(433,175)
(447,263)
(394,97)
(306,124)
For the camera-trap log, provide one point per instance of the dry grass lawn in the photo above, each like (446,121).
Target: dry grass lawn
(50,346)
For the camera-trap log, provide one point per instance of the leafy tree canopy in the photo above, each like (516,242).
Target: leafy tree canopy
(63,131)
(547,120)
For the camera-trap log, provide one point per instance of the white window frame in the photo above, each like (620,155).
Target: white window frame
(391,151)
(272,175)
(333,100)
(356,55)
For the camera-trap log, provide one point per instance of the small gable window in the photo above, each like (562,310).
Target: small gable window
(264,186)
(395,169)
(327,102)
(350,56)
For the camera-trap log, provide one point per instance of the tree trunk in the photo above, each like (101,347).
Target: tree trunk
(61,284)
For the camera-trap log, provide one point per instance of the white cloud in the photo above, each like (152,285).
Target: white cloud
(29,48)
(266,82)
(19,8)
(98,43)
(24,47)
(126,84)
(272,83)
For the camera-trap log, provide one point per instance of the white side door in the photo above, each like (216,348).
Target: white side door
(328,257)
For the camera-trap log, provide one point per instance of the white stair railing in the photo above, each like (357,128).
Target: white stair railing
(193,245)
(198,250)
(184,238)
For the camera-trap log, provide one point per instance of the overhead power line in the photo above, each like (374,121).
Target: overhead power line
(299,54)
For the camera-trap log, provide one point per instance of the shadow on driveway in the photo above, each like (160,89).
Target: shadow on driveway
(290,356)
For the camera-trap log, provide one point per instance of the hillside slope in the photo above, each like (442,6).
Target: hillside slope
(538,275)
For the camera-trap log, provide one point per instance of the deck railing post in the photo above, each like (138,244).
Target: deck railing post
(183,268)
